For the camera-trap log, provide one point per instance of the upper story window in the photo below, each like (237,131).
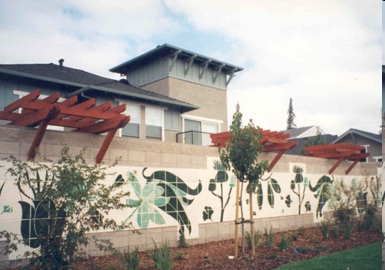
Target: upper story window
(154,120)
(132,129)
(145,121)
(197,130)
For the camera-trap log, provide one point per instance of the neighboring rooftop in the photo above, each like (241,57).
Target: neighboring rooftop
(86,81)
(297,132)
(351,132)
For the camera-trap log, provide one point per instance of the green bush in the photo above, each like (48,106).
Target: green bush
(257,238)
(269,239)
(285,242)
(161,256)
(74,199)
(324,227)
(131,260)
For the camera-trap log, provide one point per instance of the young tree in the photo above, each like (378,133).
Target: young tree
(61,203)
(241,154)
(291,116)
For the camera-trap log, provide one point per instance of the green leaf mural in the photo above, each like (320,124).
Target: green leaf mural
(308,206)
(288,201)
(174,191)
(321,192)
(150,198)
(272,187)
(295,186)
(220,178)
(270,195)
(207,213)
(260,196)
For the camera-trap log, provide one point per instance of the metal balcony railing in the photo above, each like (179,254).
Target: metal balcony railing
(194,137)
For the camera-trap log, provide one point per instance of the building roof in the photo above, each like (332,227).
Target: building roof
(295,132)
(301,142)
(167,50)
(365,134)
(89,82)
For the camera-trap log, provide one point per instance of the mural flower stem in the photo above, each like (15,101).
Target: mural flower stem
(220,178)
(296,183)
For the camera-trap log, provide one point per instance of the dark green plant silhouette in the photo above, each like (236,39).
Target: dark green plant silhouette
(207,213)
(173,192)
(272,187)
(220,178)
(296,184)
(321,190)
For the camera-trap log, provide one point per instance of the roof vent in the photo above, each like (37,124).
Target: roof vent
(61,61)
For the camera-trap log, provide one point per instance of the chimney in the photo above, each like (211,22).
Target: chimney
(61,61)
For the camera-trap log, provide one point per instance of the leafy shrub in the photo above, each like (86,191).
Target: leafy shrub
(269,237)
(182,240)
(66,200)
(161,256)
(285,242)
(336,230)
(131,260)
(348,228)
(294,236)
(325,228)
(257,238)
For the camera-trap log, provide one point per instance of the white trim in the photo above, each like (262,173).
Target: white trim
(198,118)
(376,158)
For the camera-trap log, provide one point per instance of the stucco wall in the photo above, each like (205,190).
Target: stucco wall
(202,219)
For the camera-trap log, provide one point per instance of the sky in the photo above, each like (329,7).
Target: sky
(325,55)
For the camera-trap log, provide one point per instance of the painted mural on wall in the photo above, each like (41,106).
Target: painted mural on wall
(181,197)
(163,192)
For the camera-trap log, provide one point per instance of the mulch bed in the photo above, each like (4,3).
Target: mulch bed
(215,255)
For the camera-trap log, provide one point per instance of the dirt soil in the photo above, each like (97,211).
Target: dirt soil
(215,255)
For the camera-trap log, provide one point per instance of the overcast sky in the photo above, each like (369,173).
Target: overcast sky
(325,55)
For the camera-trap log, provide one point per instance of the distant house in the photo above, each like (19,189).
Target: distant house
(171,94)
(371,141)
(303,135)
(302,132)
(303,141)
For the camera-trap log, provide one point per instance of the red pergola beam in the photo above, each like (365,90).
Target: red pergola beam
(340,151)
(271,141)
(85,117)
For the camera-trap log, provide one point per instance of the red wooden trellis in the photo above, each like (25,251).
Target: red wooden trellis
(271,140)
(340,151)
(84,117)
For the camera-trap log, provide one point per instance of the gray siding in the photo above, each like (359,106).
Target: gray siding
(157,70)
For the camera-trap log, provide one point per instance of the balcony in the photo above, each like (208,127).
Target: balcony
(194,137)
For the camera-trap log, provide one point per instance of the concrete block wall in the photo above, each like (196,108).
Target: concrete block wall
(194,165)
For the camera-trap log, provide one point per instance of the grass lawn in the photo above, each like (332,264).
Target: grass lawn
(365,257)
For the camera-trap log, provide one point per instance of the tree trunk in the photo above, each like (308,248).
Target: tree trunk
(236,219)
(251,223)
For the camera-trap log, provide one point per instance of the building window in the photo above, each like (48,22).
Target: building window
(197,130)
(154,120)
(132,129)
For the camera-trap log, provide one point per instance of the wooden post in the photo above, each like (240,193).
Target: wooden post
(236,219)
(251,223)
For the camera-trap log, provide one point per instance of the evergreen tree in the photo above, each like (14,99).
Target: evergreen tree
(291,116)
